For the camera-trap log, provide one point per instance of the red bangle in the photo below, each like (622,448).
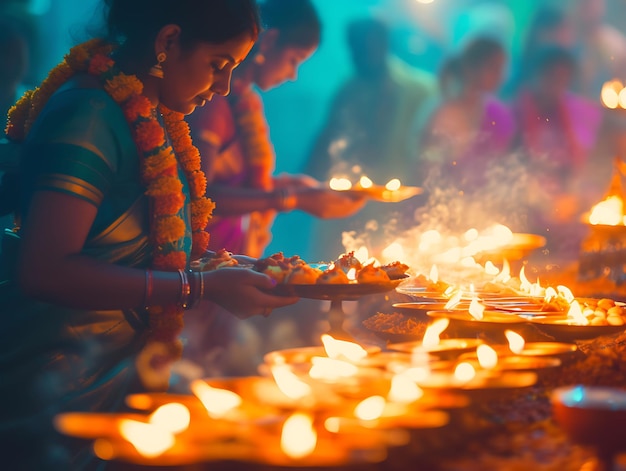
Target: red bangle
(148,290)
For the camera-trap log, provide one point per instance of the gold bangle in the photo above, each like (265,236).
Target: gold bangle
(185,289)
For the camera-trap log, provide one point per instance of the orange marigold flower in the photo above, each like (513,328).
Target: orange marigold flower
(169,229)
(190,158)
(197,184)
(200,240)
(169,204)
(158,164)
(149,135)
(99,64)
(165,186)
(122,86)
(170,261)
(137,106)
(17,116)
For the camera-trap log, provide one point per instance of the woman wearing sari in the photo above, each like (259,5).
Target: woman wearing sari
(112,209)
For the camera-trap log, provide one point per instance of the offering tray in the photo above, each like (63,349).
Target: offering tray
(565,329)
(382,194)
(344,291)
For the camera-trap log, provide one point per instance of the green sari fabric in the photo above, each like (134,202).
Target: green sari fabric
(53,358)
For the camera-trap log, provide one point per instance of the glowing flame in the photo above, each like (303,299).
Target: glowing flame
(434,274)
(417,374)
(471,235)
(393,251)
(149,440)
(575,313)
(454,300)
(491,269)
(487,356)
(428,239)
(393,184)
(351,274)
(609,212)
(172,417)
(340,184)
(362,254)
(476,309)
(298,438)
(433,331)
(289,383)
(371,408)
(566,293)
(218,402)
(516,341)
(404,390)
(331,369)
(464,372)
(533,289)
(341,348)
(550,294)
(365,182)
(610,94)
(505,274)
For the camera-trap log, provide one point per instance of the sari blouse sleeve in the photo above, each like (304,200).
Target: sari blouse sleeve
(74,146)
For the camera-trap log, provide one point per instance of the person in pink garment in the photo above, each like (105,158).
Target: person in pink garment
(472,127)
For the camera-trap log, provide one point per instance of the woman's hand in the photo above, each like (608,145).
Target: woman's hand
(327,204)
(241,291)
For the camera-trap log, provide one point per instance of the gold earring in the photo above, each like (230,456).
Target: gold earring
(259,59)
(156,70)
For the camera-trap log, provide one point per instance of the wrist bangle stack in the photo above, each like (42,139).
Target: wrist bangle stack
(147,296)
(197,289)
(185,288)
(287,199)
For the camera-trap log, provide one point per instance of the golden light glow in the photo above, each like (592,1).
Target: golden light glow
(351,274)
(149,440)
(371,408)
(365,182)
(331,369)
(566,293)
(417,374)
(404,390)
(471,235)
(609,212)
(575,313)
(298,438)
(218,402)
(429,239)
(393,185)
(393,251)
(434,330)
(487,356)
(342,349)
(434,274)
(291,386)
(454,300)
(491,269)
(173,417)
(610,94)
(516,341)
(464,372)
(476,309)
(340,184)
(362,254)
(505,274)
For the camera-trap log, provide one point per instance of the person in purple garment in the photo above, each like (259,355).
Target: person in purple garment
(471,128)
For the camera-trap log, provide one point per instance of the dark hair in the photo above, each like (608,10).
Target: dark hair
(138,21)
(296,20)
(547,57)
(478,51)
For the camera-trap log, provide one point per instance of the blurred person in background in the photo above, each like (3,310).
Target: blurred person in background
(471,128)
(558,132)
(238,157)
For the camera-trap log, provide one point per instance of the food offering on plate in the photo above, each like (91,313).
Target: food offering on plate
(347,269)
(220,259)
(604,311)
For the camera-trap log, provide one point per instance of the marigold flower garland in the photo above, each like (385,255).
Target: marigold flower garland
(159,166)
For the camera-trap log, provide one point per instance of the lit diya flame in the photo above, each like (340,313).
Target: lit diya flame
(342,349)
(609,212)
(173,417)
(476,309)
(550,294)
(491,269)
(298,438)
(340,184)
(290,385)
(433,331)
(575,313)
(566,293)
(393,185)
(217,402)
(365,182)
(611,94)
(532,289)
(149,440)
(487,357)
(454,300)
(434,274)
(371,408)
(403,390)
(331,369)
(417,374)
(351,274)
(393,251)
(464,372)
(361,254)
(516,341)
(505,274)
